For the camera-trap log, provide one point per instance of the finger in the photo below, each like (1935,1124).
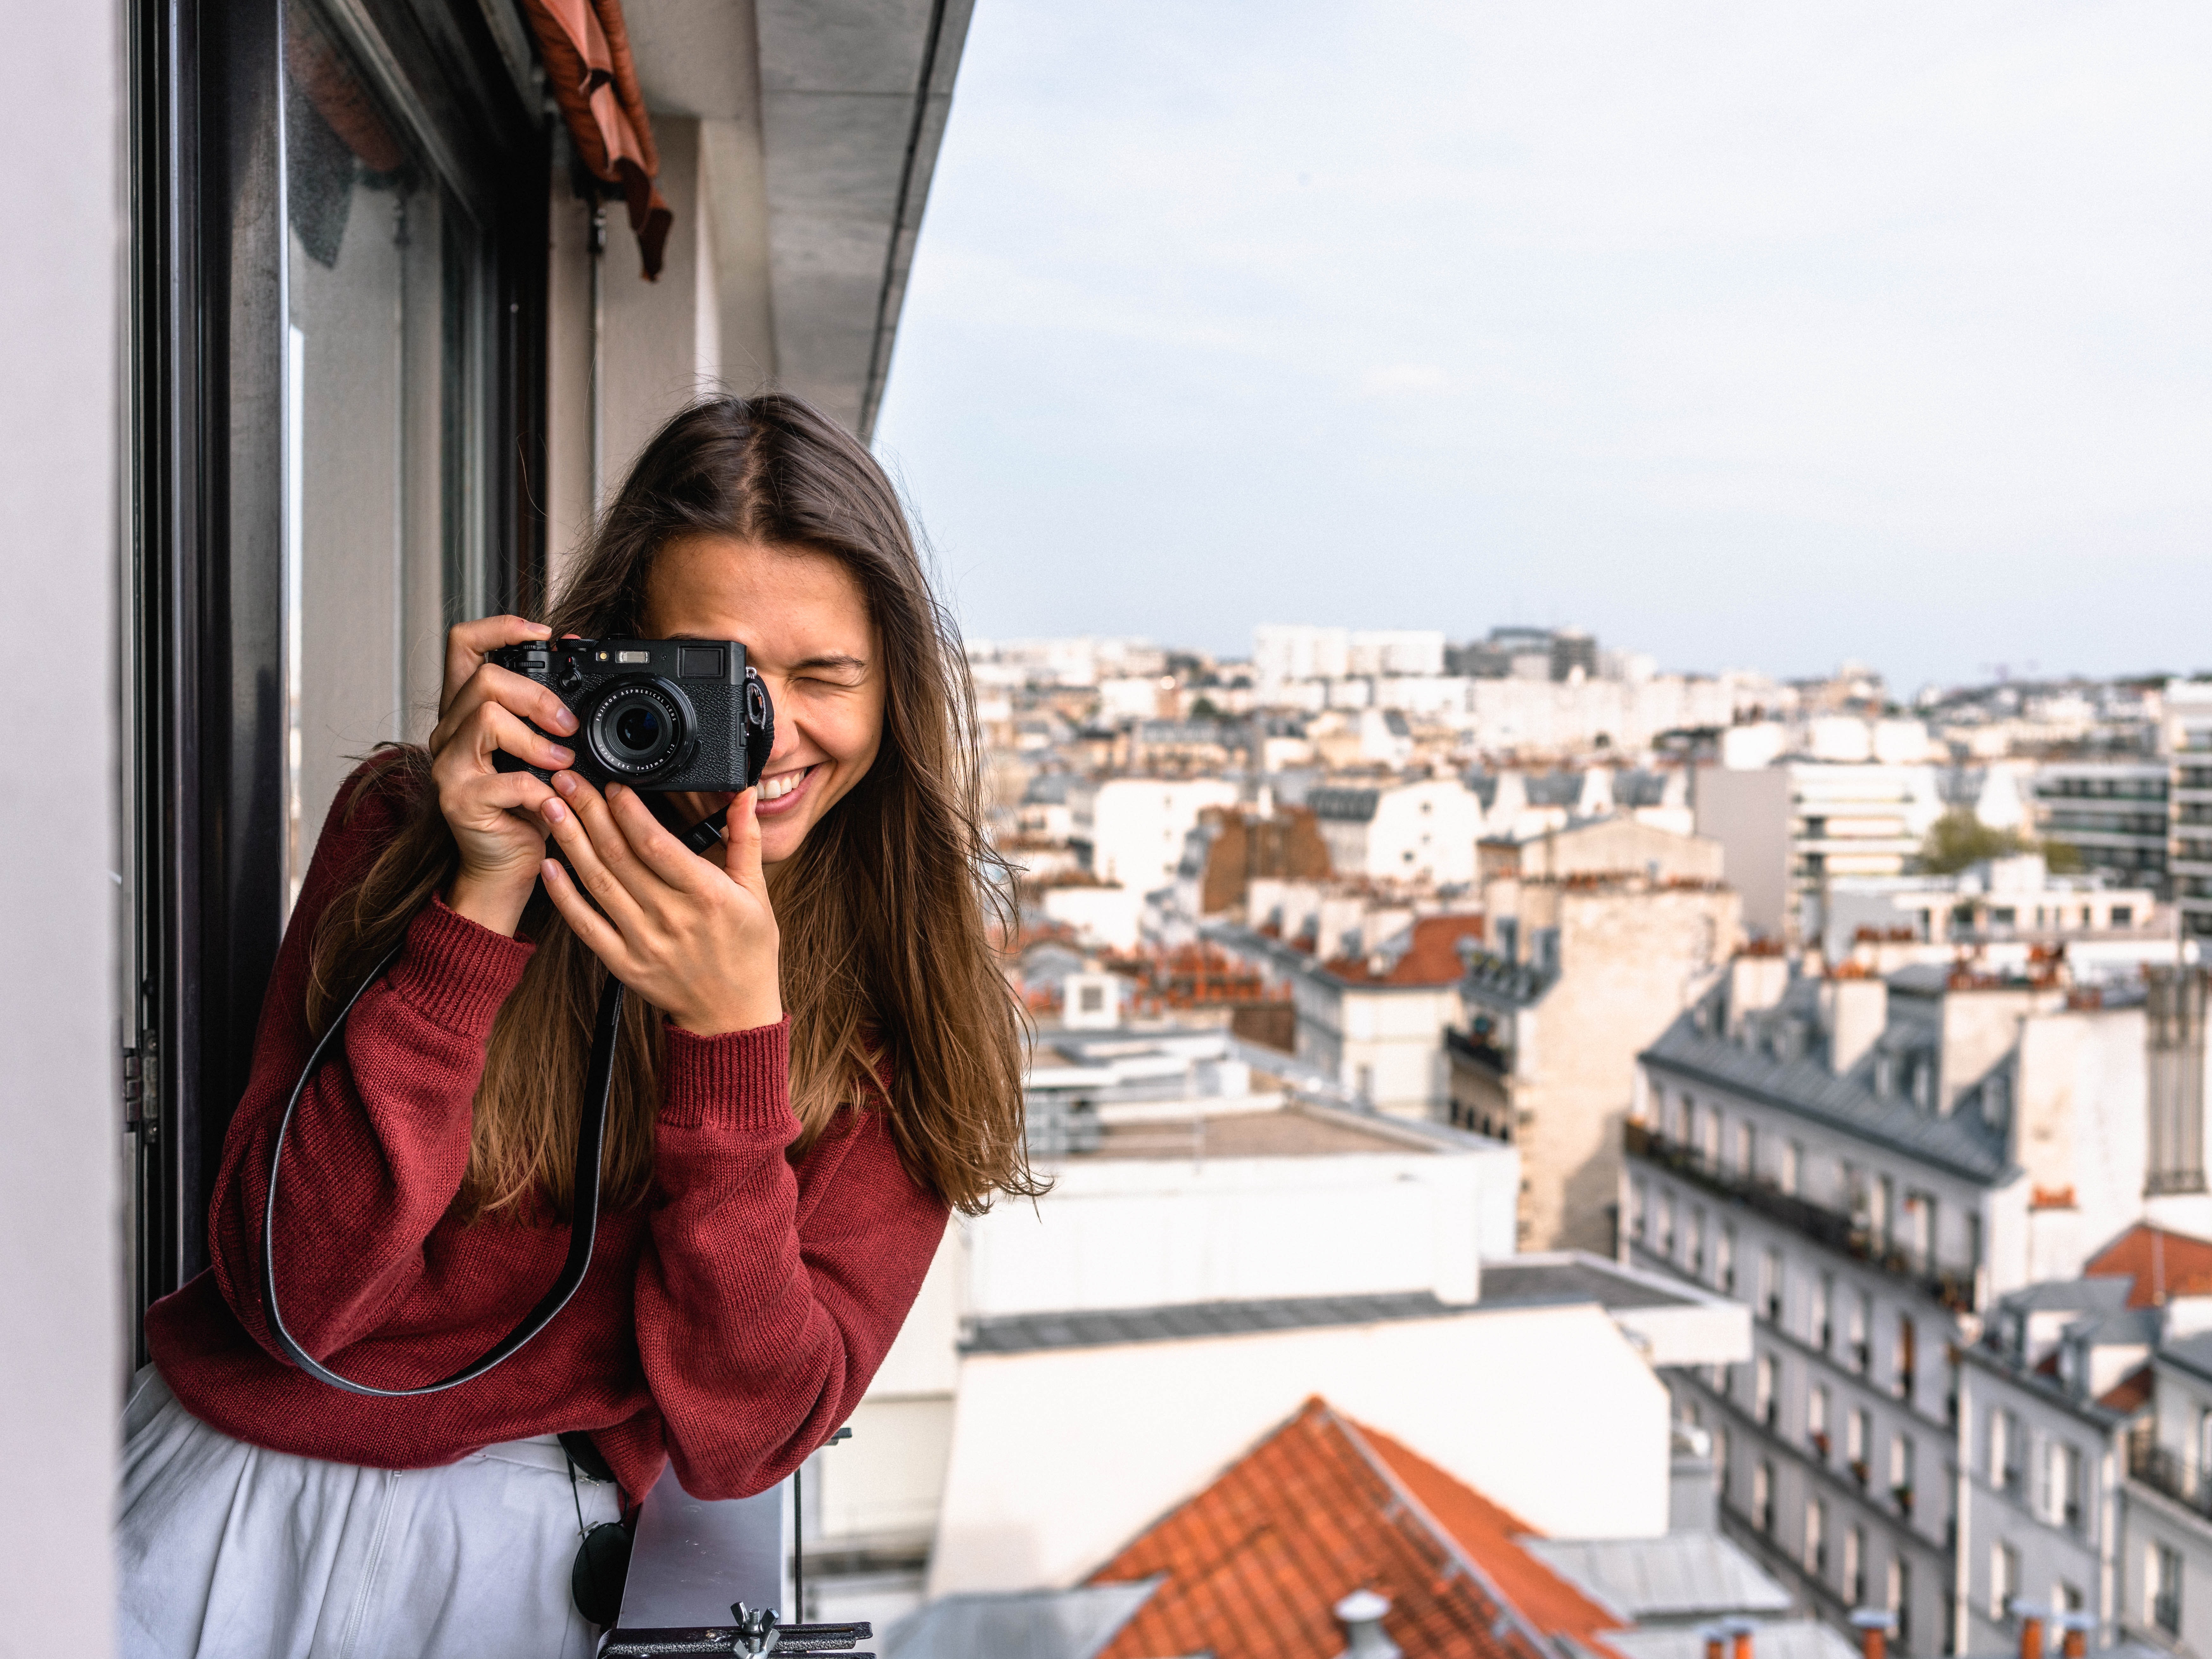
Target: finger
(656,850)
(742,831)
(584,851)
(503,688)
(601,938)
(468,643)
(512,791)
(495,730)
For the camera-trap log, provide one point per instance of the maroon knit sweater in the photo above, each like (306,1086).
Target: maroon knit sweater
(730,1322)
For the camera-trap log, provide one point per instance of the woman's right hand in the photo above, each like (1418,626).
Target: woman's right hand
(496,815)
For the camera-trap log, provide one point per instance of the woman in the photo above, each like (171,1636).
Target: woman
(778,1174)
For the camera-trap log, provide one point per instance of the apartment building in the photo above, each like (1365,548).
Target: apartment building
(2113,813)
(2047,1400)
(1789,826)
(1423,830)
(2187,733)
(1598,937)
(1130,831)
(2003,909)
(1372,1011)
(1868,1163)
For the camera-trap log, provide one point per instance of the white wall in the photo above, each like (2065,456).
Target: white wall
(1145,1233)
(1060,1456)
(60,1139)
(1138,824)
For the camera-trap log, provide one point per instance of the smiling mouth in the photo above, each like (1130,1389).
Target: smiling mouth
(783,783)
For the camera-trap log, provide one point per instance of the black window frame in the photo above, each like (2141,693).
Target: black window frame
(200,610)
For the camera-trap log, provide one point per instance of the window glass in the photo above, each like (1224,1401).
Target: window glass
(385,287)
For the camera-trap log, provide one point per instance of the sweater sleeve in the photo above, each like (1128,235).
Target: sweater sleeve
(379,1143)
(764,1305)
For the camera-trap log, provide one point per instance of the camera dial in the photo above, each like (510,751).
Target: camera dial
(638,727)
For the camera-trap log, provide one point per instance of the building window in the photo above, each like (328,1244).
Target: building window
(2004,1581)
(2165,1588)
(1793,1167)
(2006,1446)
(2066,1487)
(1857,1430)
(1920,1231)
(1770,1286)
(1900,1600)
(1637,1198)
(1698,1242)
(1762,1496)
(1765,1401)
(1824,1315)
(1907,1357)
(1747,1149)
(2175,1008)
(1816,1539)
(1816,1421)
(1666,1226)
(1900,1473)
(1862,1332)
(1724,1258)
(1855,1566)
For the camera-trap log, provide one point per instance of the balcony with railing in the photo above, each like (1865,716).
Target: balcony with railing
(1843,1234)
(2165,1472)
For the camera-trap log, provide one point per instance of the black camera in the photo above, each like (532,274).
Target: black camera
(662,714)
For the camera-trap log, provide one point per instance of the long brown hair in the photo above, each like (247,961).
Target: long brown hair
(883,912)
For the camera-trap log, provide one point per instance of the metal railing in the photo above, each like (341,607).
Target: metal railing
(1836,1232)
(2163,1471)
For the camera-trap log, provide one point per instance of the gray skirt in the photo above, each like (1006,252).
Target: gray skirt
(226,1550)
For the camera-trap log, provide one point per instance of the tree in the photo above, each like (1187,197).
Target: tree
(1959,838)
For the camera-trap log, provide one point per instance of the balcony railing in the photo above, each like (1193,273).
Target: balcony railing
(2162,1471)
(1839,1233)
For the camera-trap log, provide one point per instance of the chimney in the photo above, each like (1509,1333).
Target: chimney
(2076,1643)
(2031,1629)
(1853,1010)
(1756,981)
(1716,1642)
(1361,1614)
(1874,1626)
(1740,1629)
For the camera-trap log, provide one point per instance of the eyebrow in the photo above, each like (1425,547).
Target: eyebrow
(832,660)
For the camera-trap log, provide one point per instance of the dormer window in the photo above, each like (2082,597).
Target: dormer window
(1924,1084)
(1885,1070)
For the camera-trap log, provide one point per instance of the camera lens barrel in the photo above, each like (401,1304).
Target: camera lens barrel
(639,727)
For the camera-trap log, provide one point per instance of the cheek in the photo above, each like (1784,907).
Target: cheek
(852,735)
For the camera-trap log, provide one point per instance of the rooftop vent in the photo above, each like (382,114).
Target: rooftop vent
(1361,1614)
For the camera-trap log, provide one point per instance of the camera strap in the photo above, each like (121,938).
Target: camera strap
(584,1211)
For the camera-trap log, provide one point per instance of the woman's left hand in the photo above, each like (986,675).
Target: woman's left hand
(694,938)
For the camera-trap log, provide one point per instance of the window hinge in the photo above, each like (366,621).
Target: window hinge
(140,1116)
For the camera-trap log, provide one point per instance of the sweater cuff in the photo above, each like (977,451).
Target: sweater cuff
(457,973)
(738,1081)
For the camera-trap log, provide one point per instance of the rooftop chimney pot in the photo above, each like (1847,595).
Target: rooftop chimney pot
(1874,1626)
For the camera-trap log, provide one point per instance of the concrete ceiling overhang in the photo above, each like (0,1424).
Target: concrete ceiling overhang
(821,122)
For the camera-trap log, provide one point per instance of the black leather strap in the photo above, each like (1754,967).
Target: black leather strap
(590,1140)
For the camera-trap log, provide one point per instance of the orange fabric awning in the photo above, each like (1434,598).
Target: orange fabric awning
(587,59)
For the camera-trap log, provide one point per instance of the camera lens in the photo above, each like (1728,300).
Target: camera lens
(636,729)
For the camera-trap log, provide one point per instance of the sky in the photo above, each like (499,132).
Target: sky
(1746,334)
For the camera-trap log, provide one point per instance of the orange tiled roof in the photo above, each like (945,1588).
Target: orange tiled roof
(2162,1264)
(1254,1565)
(2129,1395)
(1431,958)
(1489,1534)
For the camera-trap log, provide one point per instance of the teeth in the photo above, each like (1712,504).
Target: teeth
(777,787)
